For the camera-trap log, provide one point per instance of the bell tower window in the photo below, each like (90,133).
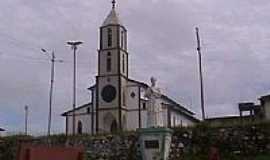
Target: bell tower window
(124,98)
(109,37)
(122,39)
(123,63)
(109,62)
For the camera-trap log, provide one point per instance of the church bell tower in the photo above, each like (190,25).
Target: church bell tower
(112,77)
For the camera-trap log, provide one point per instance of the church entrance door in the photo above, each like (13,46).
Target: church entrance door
(114,126)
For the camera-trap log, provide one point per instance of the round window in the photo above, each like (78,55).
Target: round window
(132,94)
(108,93)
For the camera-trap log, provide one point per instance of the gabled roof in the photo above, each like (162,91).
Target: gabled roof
(1,130)
(138,82)
(165,97)
(92,87)
(112,19)
(69,111)
(144,85)
(182,111)
(176,104)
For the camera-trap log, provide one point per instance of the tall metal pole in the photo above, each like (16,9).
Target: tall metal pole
(26,119)
(74,45)
(200,72)
(53,60)
(74,88)
(51,94)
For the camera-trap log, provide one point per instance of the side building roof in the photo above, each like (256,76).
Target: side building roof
(78,108)
(234,117)
(265,98)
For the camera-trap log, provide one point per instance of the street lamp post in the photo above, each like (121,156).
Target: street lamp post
(53,60)
(74,46)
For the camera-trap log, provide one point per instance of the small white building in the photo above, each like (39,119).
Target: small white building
(1,131)
(265,103)
(117,102)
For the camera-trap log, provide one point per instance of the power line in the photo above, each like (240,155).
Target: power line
(20,43)
(34,59)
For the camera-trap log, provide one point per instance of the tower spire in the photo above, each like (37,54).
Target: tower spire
(113,4)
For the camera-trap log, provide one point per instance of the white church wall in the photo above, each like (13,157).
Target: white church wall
(86,123)
(106,118)
(177,119)
(82,114)
(165,116)
(93,97)
(123,92)
(132,120)
(144,118)
(267,109)
(132,97)
(123,63)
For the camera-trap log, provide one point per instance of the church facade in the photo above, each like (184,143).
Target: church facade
(118,102)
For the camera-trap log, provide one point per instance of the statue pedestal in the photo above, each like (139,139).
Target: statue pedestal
(155,143)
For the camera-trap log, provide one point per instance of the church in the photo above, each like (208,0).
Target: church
(118,102)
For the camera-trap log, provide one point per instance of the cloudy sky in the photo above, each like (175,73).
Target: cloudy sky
(235,40)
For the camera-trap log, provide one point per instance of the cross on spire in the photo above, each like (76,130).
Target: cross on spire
(113,3)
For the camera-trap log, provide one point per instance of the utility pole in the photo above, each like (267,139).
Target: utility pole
(53,60)
(26,119)
(200,72)
(74,46)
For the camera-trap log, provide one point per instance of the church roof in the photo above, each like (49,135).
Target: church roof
(112,19)
(92,87)
(177,104)
(144,85)
(69,111)
(182,108)
(138,82)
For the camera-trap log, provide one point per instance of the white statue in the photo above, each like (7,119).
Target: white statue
(154,109)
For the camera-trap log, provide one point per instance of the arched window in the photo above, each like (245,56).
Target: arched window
(123,63)
(109,32)
(124,123)
(174,121)
(122,39)
(124,98)
(114,126)
(144,106)
(80,127)
(109,62)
